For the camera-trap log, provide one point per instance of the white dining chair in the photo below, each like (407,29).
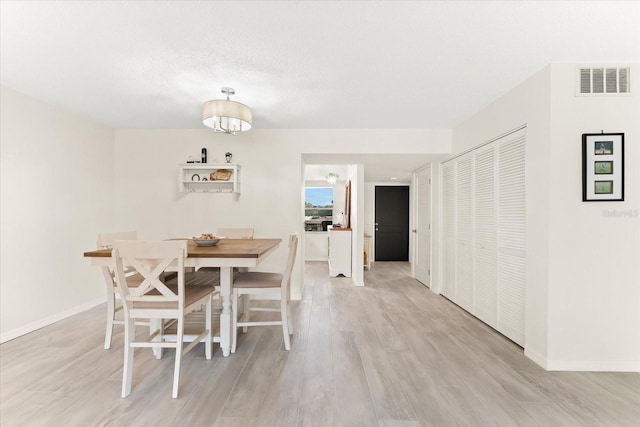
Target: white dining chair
(154,299)
(105,241)
(269,285)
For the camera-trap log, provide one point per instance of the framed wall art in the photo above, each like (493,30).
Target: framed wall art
(602,167)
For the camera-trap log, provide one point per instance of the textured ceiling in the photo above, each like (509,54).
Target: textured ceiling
(431,64)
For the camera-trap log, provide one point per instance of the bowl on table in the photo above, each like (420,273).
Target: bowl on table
(206,240)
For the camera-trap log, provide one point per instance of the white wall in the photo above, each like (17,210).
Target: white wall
(369,208)
(356,175)
(146,189)
(594,258)
(56,195)
(579,314)
(316,246)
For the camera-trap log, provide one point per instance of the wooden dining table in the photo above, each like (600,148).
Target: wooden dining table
(227,254)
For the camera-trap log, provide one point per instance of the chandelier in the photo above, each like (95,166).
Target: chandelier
(332,178)
(226,116)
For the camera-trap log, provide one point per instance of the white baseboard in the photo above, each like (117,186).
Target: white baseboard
(537,358)
(593,365)
(23,330)
(582,365)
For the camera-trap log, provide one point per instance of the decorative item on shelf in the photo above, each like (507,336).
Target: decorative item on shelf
(204,155)
(195,177)
(226,116)
(190,160)
(228,156)
(220,175)
(332,177)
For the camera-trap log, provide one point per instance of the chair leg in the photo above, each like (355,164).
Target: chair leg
(176,370)
(290,322)
(208,325)
(111,313)
(234,320)
(245,311)
(285,324)
(127,371)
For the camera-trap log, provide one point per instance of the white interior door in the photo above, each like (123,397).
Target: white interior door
(422,230)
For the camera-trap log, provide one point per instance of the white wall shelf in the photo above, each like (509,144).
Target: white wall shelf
(196,178)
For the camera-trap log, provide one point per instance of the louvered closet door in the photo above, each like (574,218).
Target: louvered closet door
(448,230)
(484,256)
(464,232)
(511,236)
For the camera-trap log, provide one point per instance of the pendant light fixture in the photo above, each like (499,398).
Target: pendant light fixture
(226,116)
(332,178)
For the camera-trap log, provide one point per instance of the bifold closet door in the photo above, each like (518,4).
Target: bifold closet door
(448,230)
(511,237)
(483,233)
(464,232)
(484,255)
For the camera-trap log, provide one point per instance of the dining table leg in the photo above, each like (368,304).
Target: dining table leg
(226,281)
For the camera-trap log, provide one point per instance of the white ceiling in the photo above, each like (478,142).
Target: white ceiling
(299,64)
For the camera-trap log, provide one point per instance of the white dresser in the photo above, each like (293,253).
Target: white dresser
(339,252)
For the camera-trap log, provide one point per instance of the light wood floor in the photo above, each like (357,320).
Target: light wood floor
(389,354)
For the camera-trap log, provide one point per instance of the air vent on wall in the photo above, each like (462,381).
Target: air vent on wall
(604,80)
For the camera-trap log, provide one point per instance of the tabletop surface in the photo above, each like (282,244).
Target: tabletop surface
(226,248)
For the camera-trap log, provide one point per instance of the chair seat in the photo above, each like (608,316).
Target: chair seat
(192,294)
(203,277)
(256,279)
(217,269)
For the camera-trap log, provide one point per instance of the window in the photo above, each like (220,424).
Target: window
(318,208)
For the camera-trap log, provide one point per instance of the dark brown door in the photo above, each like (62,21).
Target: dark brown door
(392,223)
